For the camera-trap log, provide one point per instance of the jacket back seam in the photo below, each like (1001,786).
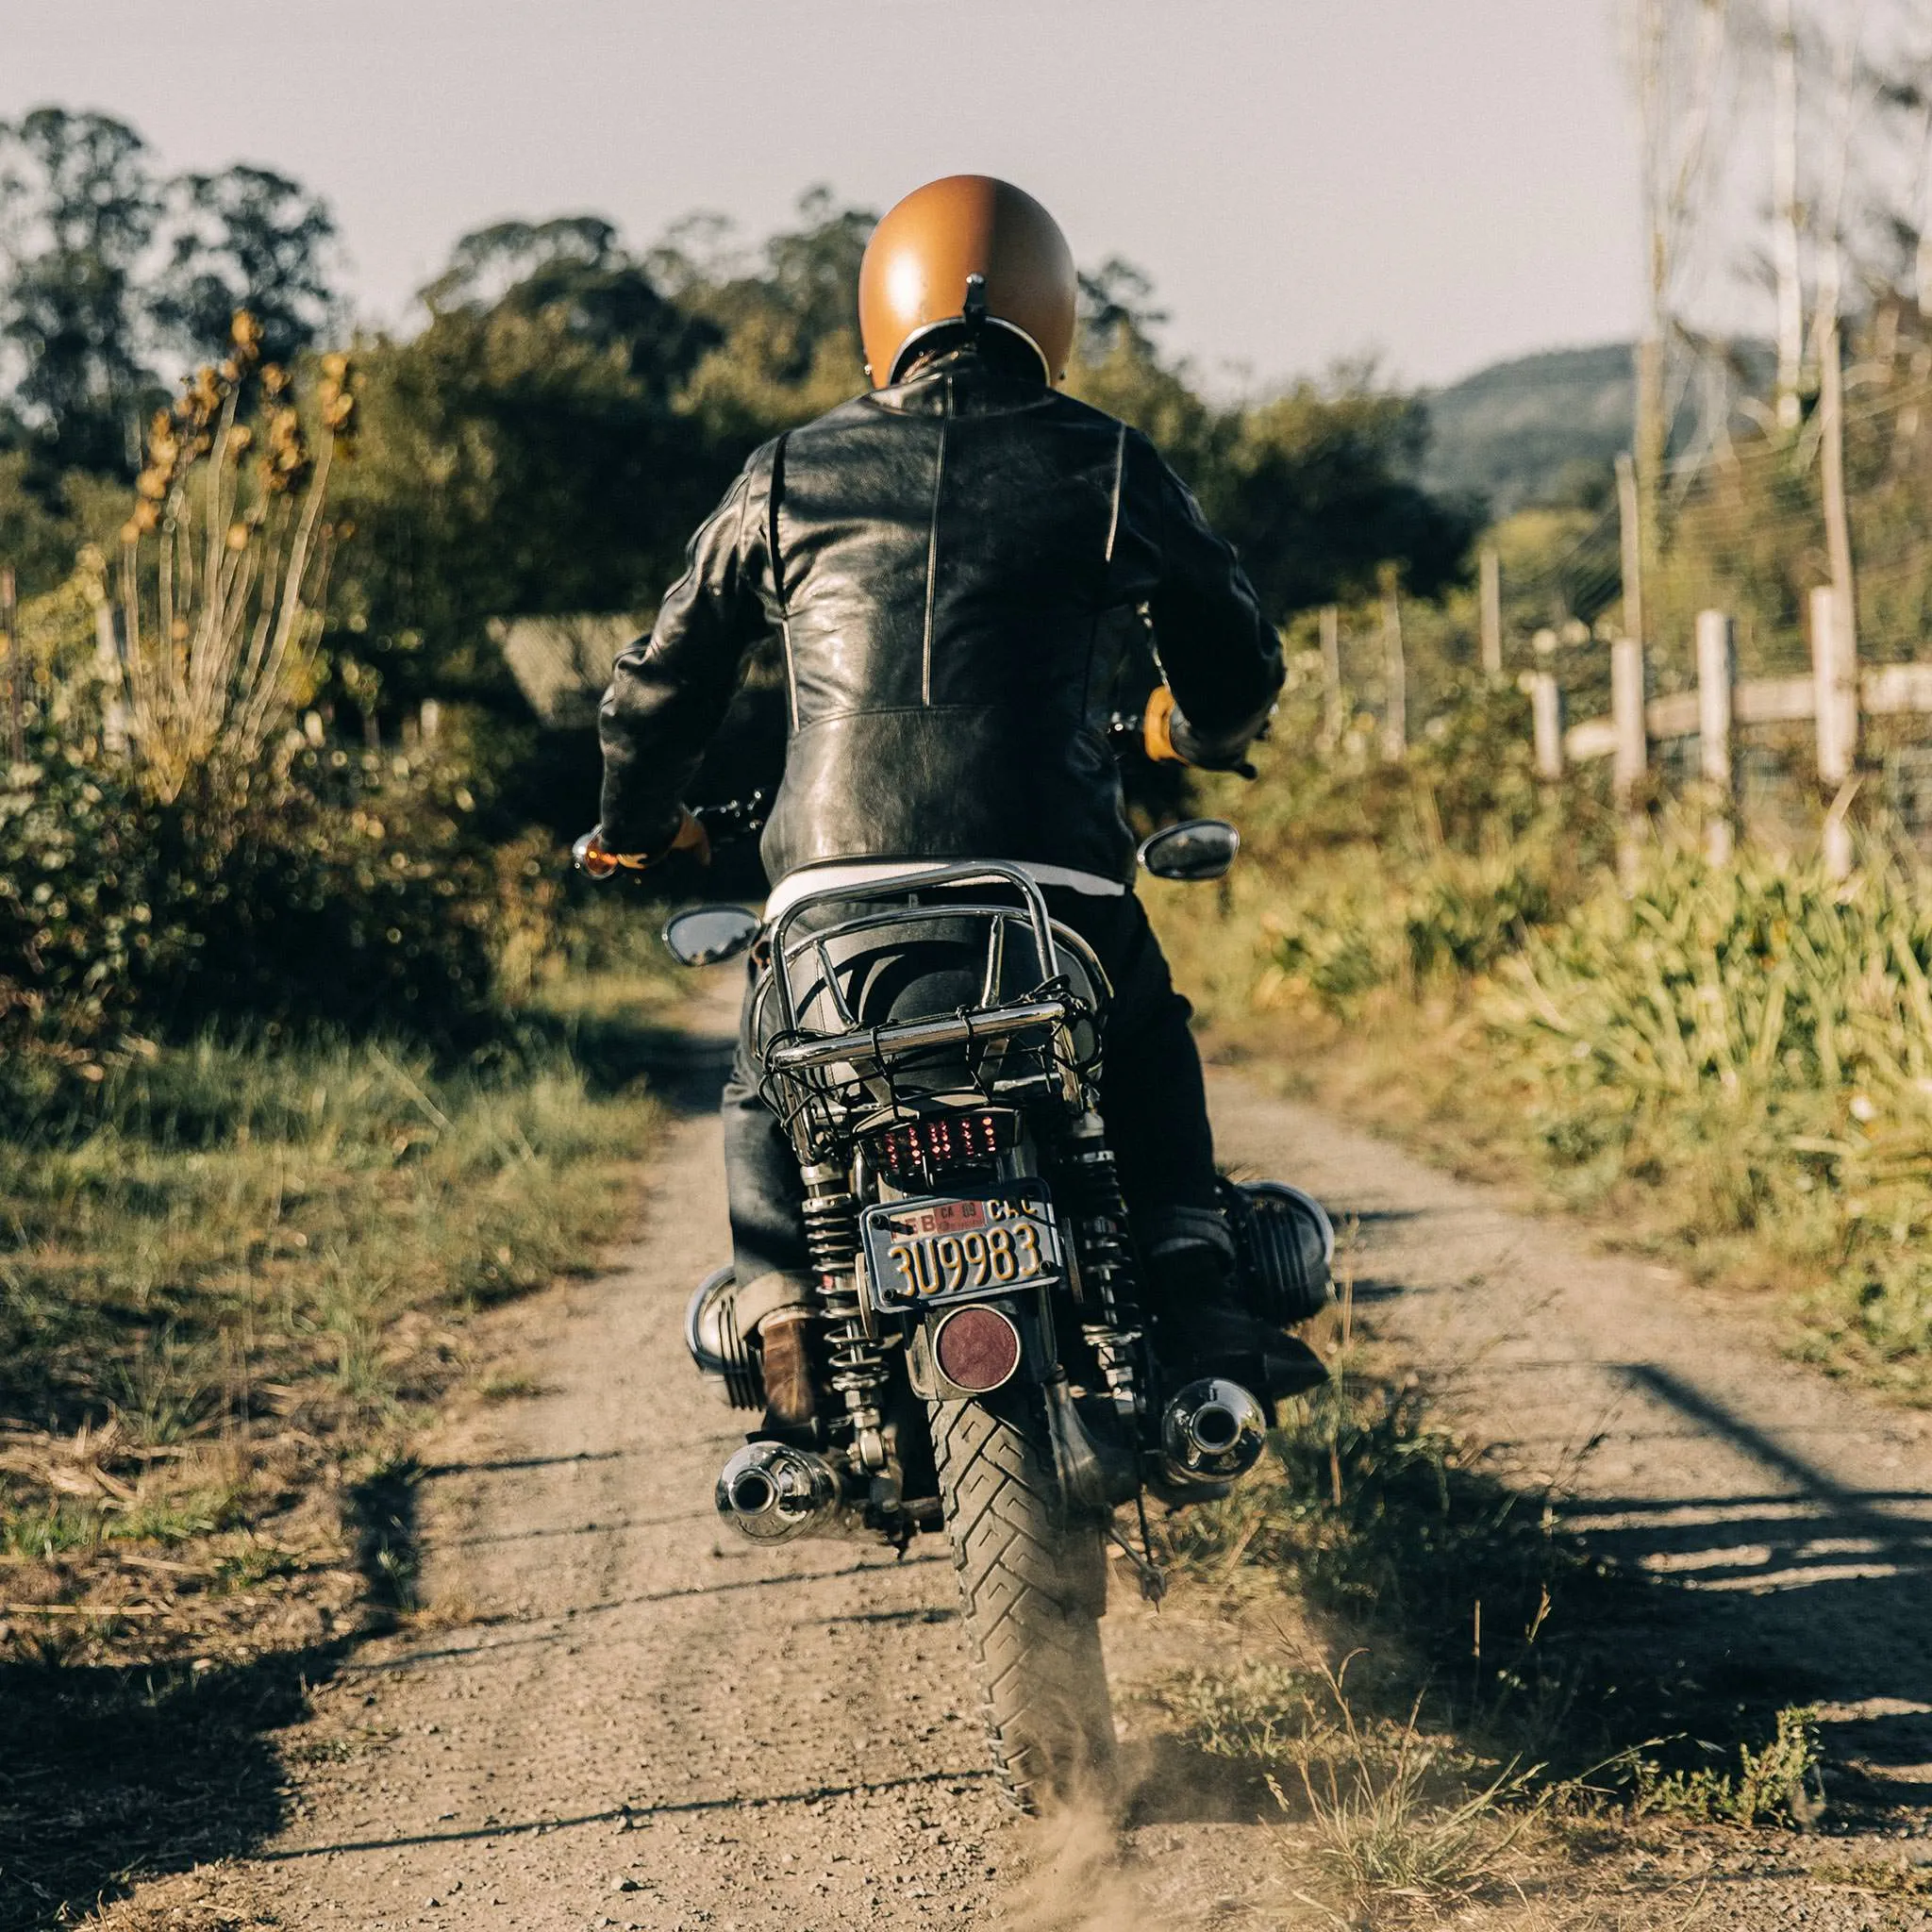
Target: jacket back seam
(773,486)
(1113,512)
(932,551)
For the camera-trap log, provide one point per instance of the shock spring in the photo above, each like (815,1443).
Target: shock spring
(1106,1264)
(858,1362)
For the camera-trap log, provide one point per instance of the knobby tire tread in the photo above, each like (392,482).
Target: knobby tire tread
(1033,1588)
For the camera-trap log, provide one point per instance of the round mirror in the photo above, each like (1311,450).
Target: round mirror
(1194,849)
(706,935)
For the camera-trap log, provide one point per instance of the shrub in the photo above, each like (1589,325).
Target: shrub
(345,890)
(174,850)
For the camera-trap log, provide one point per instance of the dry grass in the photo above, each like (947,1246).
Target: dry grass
(235,1275)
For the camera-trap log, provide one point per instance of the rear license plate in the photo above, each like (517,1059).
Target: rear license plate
(926,1253)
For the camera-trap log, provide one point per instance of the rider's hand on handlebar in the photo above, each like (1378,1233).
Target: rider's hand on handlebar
(594,857)
(1164,736)
(692,837)
(1157,727)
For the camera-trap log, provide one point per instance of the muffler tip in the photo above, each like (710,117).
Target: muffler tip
(752,1493)
(771,1493)
(1212,1431)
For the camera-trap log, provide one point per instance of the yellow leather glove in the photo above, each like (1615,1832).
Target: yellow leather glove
(1157,727)
(690,837)
(597,860)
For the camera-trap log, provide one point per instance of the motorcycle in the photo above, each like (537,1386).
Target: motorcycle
(931,1045)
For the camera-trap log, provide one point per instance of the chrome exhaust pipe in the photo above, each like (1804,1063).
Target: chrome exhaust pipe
(772,1492)
(1211,1432)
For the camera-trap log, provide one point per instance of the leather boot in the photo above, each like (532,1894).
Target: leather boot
(1204,1327)
(790,1397)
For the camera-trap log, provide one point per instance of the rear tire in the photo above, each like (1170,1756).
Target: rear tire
(1034,1588)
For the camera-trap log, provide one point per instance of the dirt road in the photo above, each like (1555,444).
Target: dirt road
(623,1719)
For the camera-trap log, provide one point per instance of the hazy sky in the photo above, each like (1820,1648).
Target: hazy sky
(1443,182)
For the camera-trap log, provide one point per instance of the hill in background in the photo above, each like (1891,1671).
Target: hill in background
(1543,428)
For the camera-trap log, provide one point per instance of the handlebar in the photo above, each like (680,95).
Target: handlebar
(736,818)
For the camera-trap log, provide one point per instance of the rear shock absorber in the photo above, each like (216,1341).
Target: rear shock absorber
(1105,1254)
(858,1362)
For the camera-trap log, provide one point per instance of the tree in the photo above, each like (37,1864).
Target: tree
(78,208)
(1315,486)
(1318,492)
(245,239)
(1116,308)
(525,453)
(786,331)
(488,263)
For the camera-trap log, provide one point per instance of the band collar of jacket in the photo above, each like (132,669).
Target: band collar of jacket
(963,383)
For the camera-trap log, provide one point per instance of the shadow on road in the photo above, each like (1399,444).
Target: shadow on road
(627,1814)
(108,1775)
(1806,1594)
(1570,1632)
(684,1069)
(113,1773)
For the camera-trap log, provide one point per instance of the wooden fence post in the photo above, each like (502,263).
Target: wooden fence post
(1490,611)
(1332,721)
(1630,758)
(1546,709)
(1834,687)
(1396,672)
(1715,674)
(16,669)
(1630,530)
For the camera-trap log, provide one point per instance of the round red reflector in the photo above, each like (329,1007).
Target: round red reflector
(977,1348)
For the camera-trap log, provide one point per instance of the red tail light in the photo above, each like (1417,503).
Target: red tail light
(977,1348)
(920,1149)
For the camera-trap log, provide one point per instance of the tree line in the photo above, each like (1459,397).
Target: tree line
(572,404)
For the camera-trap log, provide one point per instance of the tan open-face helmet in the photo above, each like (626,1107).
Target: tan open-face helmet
(918,274)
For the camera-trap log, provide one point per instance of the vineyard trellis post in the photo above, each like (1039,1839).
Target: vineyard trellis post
(1630,534)
(1490,611)
(1630,758)
(1716,673)
(1332,719)
(1395,671)
(16,669)
(1546,709)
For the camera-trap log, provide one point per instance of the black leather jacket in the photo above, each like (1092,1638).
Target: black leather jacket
(956,567)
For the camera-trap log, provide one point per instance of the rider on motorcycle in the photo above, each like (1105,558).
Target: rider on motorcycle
(962,566)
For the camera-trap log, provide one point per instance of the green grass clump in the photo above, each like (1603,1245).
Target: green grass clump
(1775,1784)
(1395,1534)
(1733,1062)
(1386,1810)
(1752,1045)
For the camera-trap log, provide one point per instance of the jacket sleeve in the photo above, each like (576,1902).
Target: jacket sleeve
(1220,658)
(668,694)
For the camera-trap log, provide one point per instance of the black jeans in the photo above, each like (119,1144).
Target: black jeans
(1150,1097)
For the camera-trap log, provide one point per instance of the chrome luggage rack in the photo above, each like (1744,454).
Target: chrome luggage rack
(1011,1049)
